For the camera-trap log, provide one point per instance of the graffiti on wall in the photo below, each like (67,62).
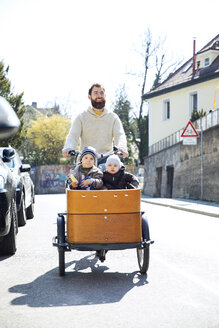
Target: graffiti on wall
(53,178)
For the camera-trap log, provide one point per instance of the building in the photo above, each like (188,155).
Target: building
(193,86)
(190,87)
(32,112)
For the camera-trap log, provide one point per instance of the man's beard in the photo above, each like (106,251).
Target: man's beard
(98,105)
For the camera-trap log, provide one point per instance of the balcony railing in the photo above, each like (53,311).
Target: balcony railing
(209,120)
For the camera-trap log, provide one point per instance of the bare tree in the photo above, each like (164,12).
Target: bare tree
(154,59)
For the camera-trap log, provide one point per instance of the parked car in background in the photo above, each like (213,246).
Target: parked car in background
(8,211)
(25,196)
(9,125)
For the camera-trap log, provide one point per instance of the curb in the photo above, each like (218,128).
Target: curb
(182,208)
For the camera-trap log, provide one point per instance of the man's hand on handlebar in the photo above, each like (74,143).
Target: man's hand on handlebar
(124,153)
(66,151)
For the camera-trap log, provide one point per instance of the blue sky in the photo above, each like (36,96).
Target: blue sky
(56,49)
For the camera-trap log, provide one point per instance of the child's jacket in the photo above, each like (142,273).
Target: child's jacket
(120,180)
(94,173)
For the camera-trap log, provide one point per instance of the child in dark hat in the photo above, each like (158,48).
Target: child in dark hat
(115,176)
(86,176)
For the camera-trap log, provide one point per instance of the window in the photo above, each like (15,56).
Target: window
(166,110)
(193,102)
(10,164)
(207,61)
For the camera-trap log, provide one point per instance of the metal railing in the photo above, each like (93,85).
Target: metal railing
(209,120)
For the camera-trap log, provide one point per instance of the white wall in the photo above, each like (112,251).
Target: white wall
(179,109)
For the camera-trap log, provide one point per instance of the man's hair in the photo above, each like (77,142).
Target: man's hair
(95,85)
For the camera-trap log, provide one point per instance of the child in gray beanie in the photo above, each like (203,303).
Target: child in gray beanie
(115,176)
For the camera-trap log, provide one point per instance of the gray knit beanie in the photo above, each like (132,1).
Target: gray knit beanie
(114,159)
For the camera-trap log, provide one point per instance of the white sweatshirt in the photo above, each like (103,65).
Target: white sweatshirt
(99,131)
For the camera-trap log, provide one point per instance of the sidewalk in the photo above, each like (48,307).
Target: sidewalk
(196,206)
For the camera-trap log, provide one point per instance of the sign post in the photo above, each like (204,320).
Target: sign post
(201,159)
(190,138)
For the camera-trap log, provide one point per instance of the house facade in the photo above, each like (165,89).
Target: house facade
(194,86)
(191,87)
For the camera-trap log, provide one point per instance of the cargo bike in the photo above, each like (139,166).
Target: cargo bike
(103,220)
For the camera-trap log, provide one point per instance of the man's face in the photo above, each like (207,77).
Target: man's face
(97,98)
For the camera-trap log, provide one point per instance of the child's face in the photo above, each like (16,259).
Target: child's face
(87,161)
(112,168)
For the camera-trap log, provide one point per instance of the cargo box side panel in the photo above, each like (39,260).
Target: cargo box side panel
(104,228)
(103,201)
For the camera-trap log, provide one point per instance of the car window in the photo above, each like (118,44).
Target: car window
(17,161)
(10,164)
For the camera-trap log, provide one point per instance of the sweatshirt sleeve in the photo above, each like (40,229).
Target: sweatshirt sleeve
(74,134)
(119,134)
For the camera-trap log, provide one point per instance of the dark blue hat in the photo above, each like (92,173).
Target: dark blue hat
(89,150)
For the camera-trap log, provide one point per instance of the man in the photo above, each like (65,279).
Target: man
(97,126)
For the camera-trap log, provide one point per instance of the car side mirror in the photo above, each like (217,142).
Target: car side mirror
(9,122)
(8,154)
(6,160)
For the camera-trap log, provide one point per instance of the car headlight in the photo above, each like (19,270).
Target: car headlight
(2,182)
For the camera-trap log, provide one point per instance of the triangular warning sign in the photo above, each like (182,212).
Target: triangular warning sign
(189,131)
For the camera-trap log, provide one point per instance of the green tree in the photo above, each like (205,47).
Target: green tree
(197,114)
(122,107)
(46,137)
(16,103)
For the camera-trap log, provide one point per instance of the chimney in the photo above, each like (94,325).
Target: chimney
(194,57)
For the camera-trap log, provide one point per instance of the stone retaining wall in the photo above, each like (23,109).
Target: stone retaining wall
(176,171)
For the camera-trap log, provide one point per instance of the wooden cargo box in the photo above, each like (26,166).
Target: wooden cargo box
(104,216)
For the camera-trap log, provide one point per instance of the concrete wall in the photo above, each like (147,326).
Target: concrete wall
(176,171)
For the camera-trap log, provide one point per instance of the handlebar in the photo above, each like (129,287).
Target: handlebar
(73,152)
(111,152)
(101,158)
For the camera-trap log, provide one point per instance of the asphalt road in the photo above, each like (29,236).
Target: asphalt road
(180,290)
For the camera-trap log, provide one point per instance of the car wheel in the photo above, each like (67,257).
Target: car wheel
(9,243)
(22,218)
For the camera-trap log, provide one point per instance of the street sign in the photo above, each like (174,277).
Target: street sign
(190,141)
(189,131)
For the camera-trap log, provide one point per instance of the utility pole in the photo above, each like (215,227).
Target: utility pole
(202,186)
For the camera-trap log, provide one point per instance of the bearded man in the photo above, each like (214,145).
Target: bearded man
(97,126)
